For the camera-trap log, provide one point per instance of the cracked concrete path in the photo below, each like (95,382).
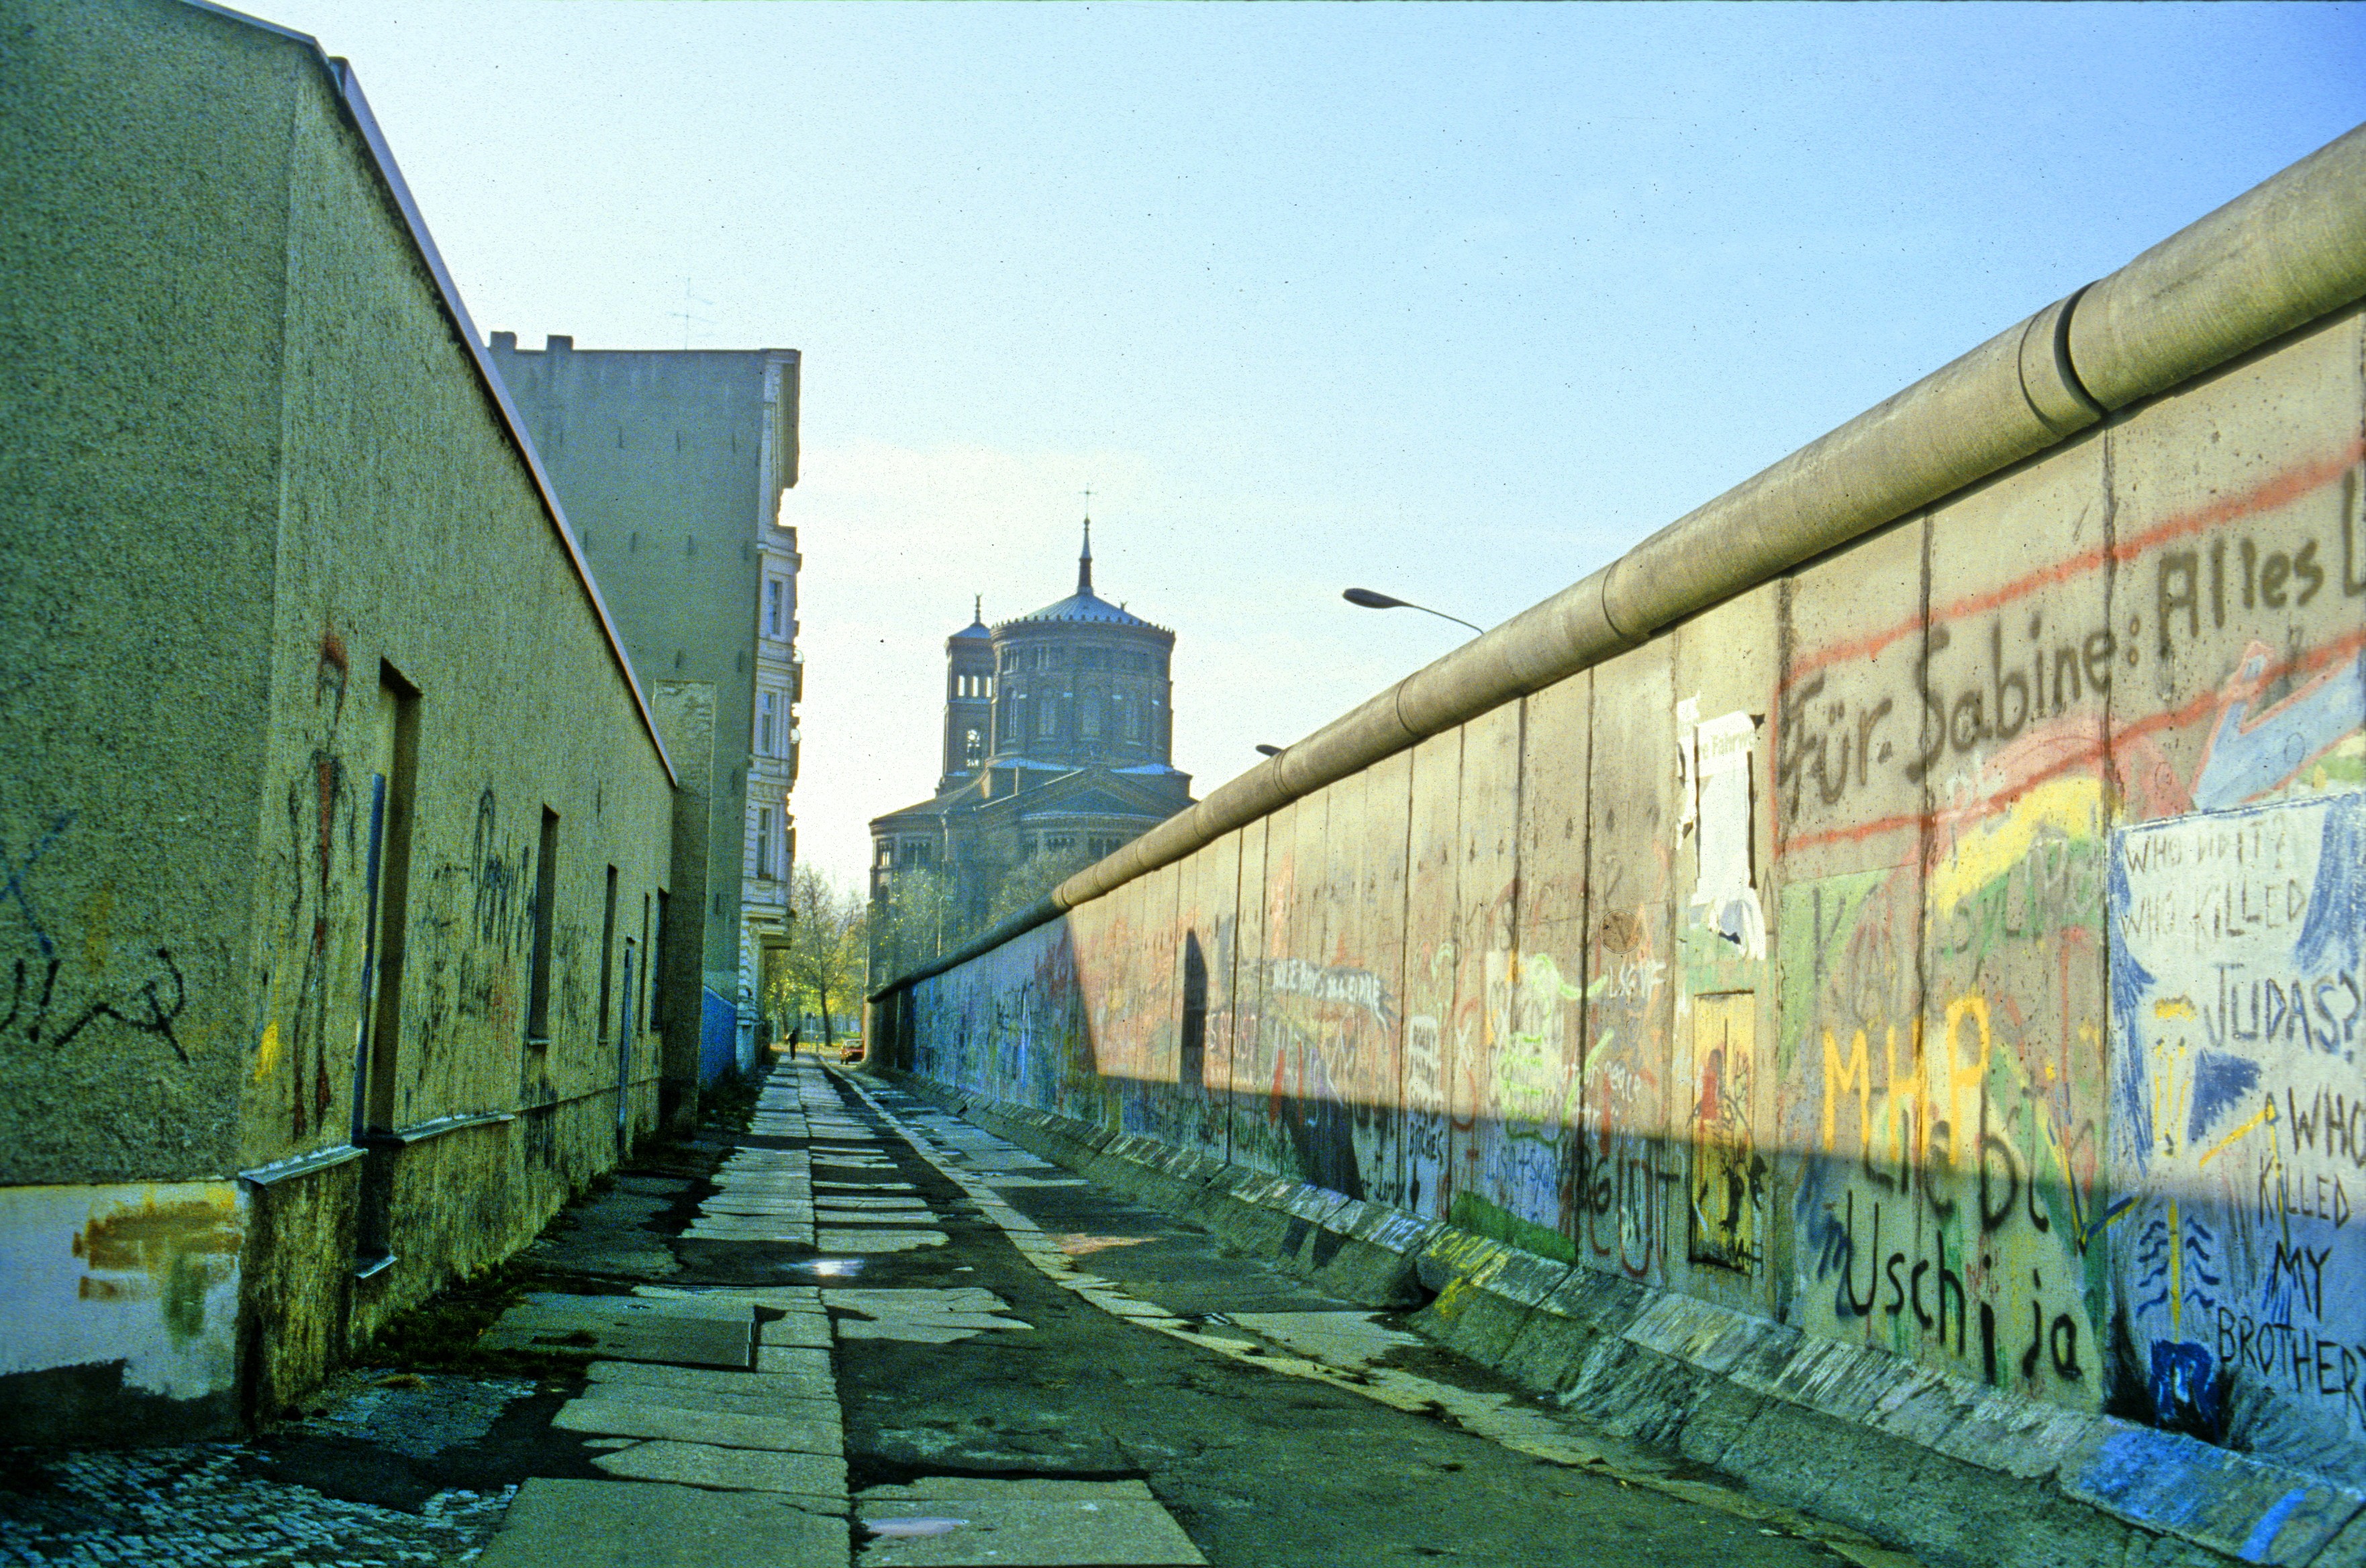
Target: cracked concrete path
(863,1333)
(1274,1424)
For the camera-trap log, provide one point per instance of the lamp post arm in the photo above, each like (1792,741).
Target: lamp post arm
(1366,599)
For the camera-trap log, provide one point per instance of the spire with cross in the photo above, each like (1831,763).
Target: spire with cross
(1084,561)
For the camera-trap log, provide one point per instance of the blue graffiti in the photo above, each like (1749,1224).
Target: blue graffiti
(2219,1081)
(2184,1382)
(2247,761)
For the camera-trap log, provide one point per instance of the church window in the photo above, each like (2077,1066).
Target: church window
(973,748)
(1044,719)
(1092,713)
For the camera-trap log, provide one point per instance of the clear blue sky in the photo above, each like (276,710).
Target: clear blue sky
(1455,301)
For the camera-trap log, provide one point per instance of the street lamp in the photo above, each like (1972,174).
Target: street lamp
(1371,601)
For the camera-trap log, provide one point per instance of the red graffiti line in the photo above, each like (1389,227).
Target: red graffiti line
(2310,663)
(2281,491)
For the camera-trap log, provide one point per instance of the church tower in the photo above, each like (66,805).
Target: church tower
(969,700)
(1056,748)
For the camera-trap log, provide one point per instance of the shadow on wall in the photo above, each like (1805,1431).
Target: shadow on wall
(2151,1219)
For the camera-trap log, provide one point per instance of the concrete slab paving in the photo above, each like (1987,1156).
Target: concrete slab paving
(788,1298)
(629,1328)
(810,1330)
(637,1417)
(798,1361)
(818,1479)
(775,1233)
(632,1524)
(788,1405)
(1038,1531)
(921,1316)
(827,1214)
(961,1488)
(881,1240)
(858,1200)
(788,1383)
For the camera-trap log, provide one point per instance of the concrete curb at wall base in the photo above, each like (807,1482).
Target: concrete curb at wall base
(1949,1469)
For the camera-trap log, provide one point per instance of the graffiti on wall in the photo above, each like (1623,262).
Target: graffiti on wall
(59,990)
(2054,1020)
(2237,1118)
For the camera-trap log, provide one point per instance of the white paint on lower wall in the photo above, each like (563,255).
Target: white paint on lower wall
(143,1273)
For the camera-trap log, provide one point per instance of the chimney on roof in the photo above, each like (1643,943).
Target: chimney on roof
(505,343)
(555,343)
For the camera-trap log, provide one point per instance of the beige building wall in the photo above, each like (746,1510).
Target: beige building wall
(304,664)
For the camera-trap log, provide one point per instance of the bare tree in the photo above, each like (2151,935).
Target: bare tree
(821,972)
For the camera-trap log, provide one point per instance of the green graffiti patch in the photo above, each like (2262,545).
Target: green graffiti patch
(1473,1212)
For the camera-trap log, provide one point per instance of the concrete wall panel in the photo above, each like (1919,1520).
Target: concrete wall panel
(1848,733)
(1241,1060)
(1496,1188)
(1631,1169)
(1722,1060)
(1369,859)
(1431,945)
(2235,884)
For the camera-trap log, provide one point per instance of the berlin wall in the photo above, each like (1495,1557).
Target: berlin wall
(1944,941)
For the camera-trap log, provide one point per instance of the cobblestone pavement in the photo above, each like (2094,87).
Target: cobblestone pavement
(207,1504)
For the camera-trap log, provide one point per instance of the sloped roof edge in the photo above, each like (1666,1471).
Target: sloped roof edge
(348,89)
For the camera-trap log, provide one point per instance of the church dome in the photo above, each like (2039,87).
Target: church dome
(1084,608)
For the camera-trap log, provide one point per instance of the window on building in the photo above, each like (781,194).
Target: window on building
(764,842)
(1092,713)
(887,854)
(768,708)
(973,748)
(776,607)
(607,959)
(546,912)
(655,957)
(1045,718)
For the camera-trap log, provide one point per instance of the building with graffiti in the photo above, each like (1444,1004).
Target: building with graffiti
(1057,734)
(1885,952)
(338,835)
(671,467)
